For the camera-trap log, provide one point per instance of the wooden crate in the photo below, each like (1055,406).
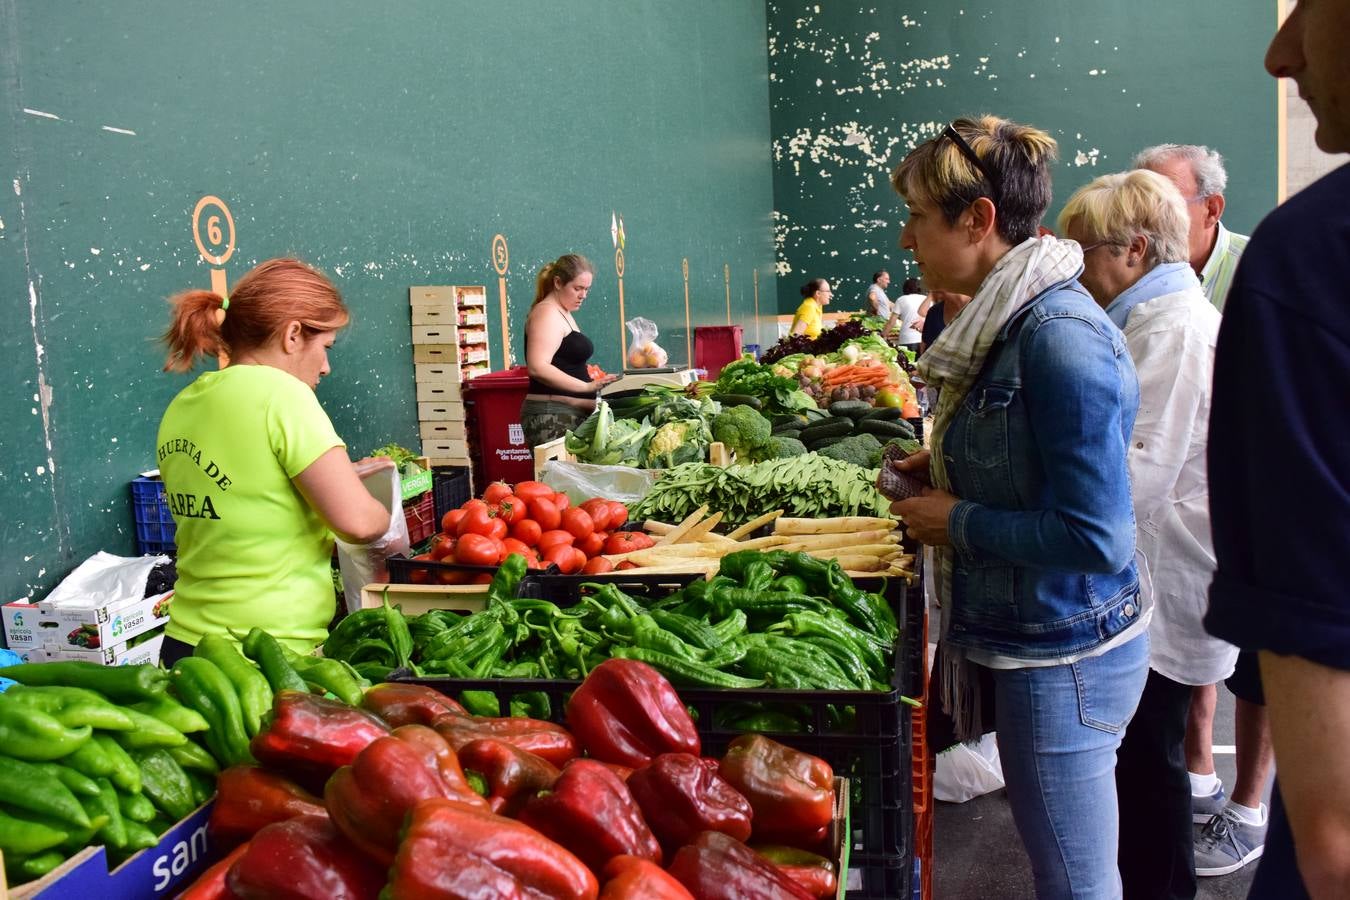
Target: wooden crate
(441,411)
(431,295)
(443,449)
(445,430)
(416,599)
(438,392)
(447,333)
(441,354)
(718,455)
(443,373)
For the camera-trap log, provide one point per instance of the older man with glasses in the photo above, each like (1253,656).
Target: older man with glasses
(1199,174)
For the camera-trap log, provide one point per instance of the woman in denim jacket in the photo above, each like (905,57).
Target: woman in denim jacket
(1029,509)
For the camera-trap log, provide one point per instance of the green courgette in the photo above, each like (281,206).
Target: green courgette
(854,409)
(739,400)
(838,426)
(883,414)
(901,429)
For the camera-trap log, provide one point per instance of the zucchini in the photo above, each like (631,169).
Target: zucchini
(883,414)
(854,409)
(796,420)
(900,429)
(834,427)
(787,431)
(738,400)
(822,443)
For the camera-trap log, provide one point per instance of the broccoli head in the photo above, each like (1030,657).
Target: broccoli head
(857,449)
(742,429)
(910,446)
(780,447)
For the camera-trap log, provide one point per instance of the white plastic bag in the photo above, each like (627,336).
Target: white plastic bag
(582,481)
(104,579)
(643,351)
(968,770)
(363,564)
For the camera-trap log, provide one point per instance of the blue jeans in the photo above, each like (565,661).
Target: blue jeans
(1058,730)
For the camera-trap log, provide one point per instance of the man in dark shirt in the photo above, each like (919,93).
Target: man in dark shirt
(1279,472)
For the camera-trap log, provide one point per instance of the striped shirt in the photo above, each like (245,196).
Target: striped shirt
(1217,275)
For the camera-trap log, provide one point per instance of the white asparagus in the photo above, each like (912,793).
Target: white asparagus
(660,556)
(764,543)
(753,524)
(674,551)
(861,563)
(652,526)
(826,541)
(706,526)
(877,550)
(838,525)
(675,535)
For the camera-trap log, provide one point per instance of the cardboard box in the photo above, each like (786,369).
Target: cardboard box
(473,336)
(127,654)
(30,626)
(437,392)
(443,431)
(441,354)
(445,449)
(182,854)
(441,373)
(462,461)
(434,314)
(447,333)
(431,295)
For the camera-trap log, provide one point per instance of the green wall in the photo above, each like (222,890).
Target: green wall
(386,143)
(855,87)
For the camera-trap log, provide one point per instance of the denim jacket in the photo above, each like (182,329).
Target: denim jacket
(1044,532)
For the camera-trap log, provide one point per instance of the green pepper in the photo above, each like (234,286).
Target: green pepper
(103,805)
(125,773)
(135,807)
(27,787)
(264,650)
(695,632)
(733,565)
(481,703)
(149,732)
(140,836)
(532,705)
(364,624)
(192,756)
(203,786)
(78,783)
(757,575)
(205,688)
(830,628)
(165,783)
(172,713)
(123,684)
(24,837)
(72,707)
(507,580)
(30,733)
(31,868)
(89,759)
(687,671)
(651,636)
(727,655)
(793,584)
(400,639)
(255,694)
(330,675)
(770,721)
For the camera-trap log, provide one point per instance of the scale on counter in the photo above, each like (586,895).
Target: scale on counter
(634,380)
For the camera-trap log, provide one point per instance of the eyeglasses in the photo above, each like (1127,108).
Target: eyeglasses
(1098,244)
(966,151)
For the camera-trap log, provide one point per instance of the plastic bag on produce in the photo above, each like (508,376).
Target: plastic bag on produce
(103,579)
(643,351)
(967,771)
(363,564)
(582,481)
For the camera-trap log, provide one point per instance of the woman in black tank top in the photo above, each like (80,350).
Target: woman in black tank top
(561,392)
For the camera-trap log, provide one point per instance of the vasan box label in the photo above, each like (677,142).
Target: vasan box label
(30,626)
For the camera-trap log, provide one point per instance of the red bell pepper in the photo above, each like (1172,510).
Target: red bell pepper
(719,867)
(211,884)
(408,704)
(626,712)
(633,878)
(370,799)
(544,739)
(791,792)
(512,775)
(247,798)
(309,737)
(680,797)
(814,873)
(622,771)
(591,812)
(450,850)
(303,859)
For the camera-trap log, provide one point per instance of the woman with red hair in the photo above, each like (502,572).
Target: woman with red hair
(256,477)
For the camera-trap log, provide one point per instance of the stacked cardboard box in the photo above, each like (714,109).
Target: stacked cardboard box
(450,346)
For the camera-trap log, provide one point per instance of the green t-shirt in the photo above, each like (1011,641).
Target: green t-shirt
(251,550)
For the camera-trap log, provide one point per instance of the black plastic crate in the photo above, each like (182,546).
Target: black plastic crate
(451,488)
(874,877)
(872,747)
(403,570)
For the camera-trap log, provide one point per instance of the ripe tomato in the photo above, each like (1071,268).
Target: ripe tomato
(623,542)
(599,512)
(495,492)
(545,512)
(579,522)
(510,508)
(474,504)
(562,501)
(533,490)
(618,514)
(592,544)
(452,576)
(532,561)
(643,540)
(475,521)
(497,529)
(442,545)
(626,564)
(419,574)
(597,566)
(512,545)
(527,531)
(481,578)
(550,539)
(450,521)
(478,550)
(569,560)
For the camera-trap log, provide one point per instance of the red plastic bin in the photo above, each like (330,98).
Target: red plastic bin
(495,400)
(715,346)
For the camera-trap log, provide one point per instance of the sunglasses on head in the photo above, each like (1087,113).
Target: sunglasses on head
(969,154)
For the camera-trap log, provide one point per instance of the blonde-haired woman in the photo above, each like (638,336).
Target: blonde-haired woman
(561,392)
(1029,511)
(1133,229)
